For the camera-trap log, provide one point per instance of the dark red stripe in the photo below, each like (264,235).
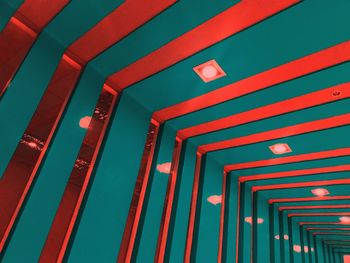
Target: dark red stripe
(309,207)
(132,222)
(168,203)
(67,212)
(29,153)
(308,199)
(222,217)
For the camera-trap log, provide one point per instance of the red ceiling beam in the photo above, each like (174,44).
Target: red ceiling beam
(289,159)
(26,160)
(118,24)
(290,105)
(283,208)
(294,173)
(312,63)
(319,214)
(298,129)
(132,223)
(246,13)
(308,199)
(61,229)
(19,34)
(301,185)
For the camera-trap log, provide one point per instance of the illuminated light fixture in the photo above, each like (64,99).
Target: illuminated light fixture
(280,148)
(84,122)
(320,192)
(164,168)
(297,248)
(344,219)
(209,71)
(248,219)
(277,237)
(306,249)
(286,237)
(215,199)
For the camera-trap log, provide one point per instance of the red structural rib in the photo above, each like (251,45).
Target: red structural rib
(298,129)
(27,157)
(29,153)
(193,209)
(168,203)
(297,68)
(22,30)
(308,199)
(329,228)
(319,214)
(293,173)
(246,14)
(294,104)
(131,228)
(299,185)
(222,217)
(289,159)
(66,215)
(118,24)
(282,208)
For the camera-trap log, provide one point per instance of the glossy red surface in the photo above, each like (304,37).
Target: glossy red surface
(138,199)
(73,196)
(26,159)
(246,13)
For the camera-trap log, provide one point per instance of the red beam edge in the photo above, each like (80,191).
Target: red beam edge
(131,14)
(308,199)
(309,100)
(193,209)
(168,202)
(293,173)
(18,36)
(25,162)
(138,198)
(222,217)
(298,129)
(61,229)
(289,159)
(282,208)
(301,184)
(247,13)
(309,64)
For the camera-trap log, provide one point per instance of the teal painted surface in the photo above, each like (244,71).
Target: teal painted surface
(102,223)
(261,235)
(20,100)
(289,35)
(7,9)
(153,214)
(206,240)
(232,210)
(36,219)
(181,211)
(156,33)
(77,18)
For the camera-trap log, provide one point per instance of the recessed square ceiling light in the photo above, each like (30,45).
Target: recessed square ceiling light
(280,148)
(209,71)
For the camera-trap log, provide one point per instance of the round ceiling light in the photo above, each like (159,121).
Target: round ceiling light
(344,219)
(209,71)
(320,192)
(84,122)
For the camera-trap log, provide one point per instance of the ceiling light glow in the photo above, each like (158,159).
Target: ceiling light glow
(344,219)
(209,71)
(280,148)
(84,122)
(320,192)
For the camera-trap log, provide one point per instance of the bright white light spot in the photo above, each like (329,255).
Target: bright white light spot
(215,199)
(320,192)
(164,168)
(297,248)
(209,71)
